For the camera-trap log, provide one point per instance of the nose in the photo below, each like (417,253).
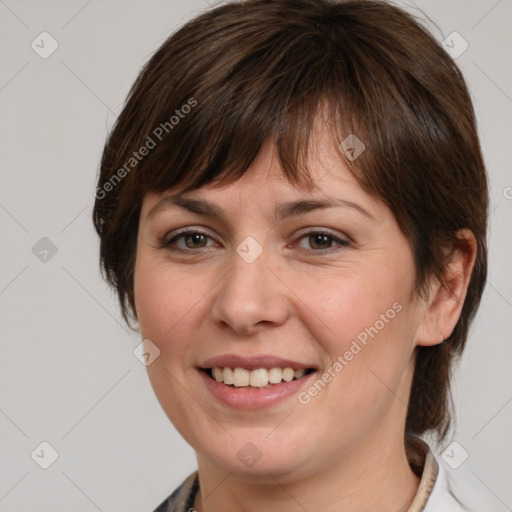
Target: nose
(250,298)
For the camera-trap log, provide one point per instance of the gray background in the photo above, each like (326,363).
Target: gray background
(68,375)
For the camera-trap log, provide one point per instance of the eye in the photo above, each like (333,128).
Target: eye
(188,239)
(193,238)
(321,241)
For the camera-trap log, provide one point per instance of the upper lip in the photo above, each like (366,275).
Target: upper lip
(252,362)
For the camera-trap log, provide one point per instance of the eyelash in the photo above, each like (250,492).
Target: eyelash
(168,244)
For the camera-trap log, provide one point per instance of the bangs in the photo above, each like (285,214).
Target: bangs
(250,82)
(276,90)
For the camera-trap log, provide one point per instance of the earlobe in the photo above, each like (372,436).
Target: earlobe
(446,297)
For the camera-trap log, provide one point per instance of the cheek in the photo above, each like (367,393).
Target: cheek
(349,305)
(167,302)
(365,339)
(365,325)
(168,307)
(151,299)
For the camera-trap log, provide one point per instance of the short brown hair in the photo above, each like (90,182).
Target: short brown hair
(255,70)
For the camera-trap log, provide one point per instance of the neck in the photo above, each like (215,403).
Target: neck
(344,484)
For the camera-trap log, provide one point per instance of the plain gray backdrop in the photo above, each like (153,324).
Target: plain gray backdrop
(68,375)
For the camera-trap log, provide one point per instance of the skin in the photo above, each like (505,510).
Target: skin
(344,450)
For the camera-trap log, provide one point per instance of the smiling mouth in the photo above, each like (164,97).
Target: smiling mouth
(260,378)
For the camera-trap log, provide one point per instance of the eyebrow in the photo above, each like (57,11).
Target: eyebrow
(282,211)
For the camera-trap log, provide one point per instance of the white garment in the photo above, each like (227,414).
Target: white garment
(434,493)
(441,499)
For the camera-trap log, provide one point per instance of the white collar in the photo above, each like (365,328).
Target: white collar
(434,493)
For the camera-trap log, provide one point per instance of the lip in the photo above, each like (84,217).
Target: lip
(252,362)
(254,398)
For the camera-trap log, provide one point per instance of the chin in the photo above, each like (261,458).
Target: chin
(249,454)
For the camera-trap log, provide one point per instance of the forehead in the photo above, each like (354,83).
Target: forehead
(265,183)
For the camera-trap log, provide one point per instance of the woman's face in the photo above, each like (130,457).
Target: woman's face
(267,272)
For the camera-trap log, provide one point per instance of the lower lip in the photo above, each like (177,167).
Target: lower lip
(254,398)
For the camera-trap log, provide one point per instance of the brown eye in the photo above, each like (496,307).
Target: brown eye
(195,240)
(189,240)
(320,241)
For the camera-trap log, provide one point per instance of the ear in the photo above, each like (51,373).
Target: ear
(446,298)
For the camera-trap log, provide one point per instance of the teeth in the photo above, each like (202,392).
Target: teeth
(259,378)
(288,374)
(228,376)
(299,373)
(241,377)
(275,375)
(217,374)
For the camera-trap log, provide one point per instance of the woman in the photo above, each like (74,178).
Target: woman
(292,206)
